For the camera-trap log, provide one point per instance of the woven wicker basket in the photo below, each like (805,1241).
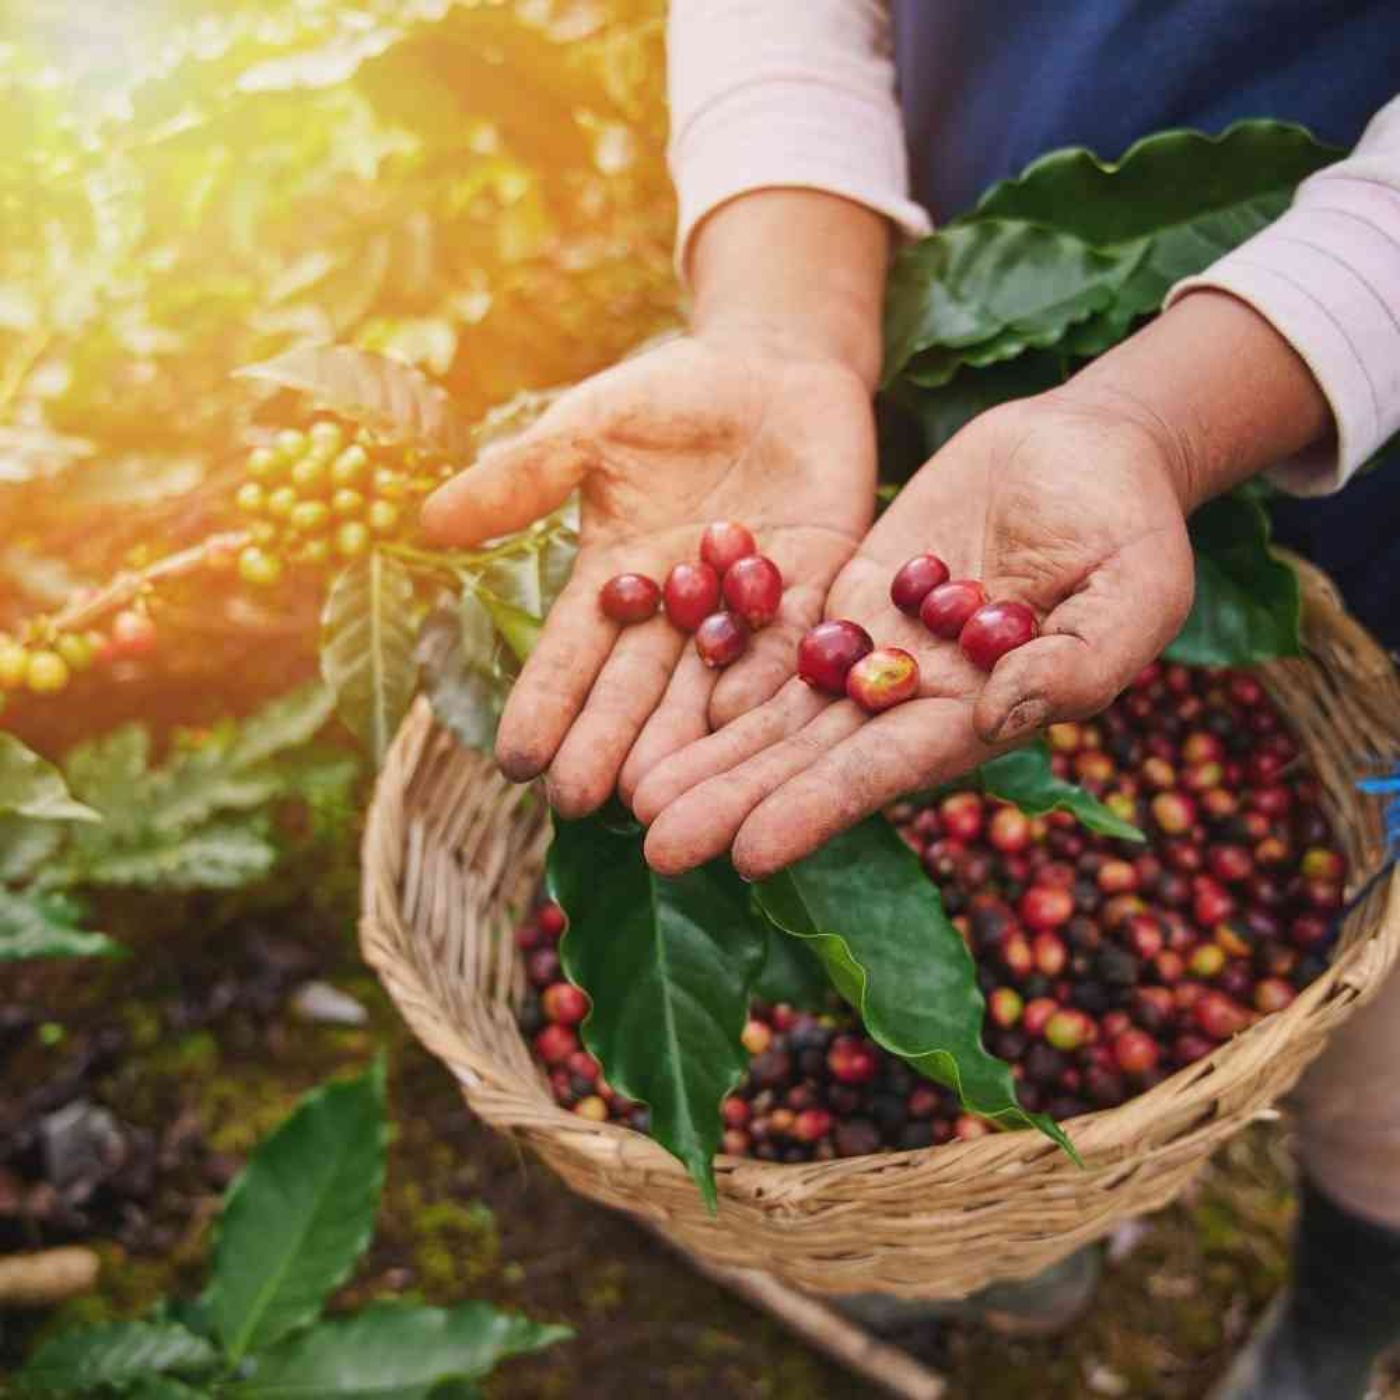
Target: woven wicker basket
(453,853)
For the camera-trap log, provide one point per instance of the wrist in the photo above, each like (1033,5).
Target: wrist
(797,273)
(1221,394)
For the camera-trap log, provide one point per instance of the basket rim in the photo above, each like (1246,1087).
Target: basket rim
(1103,1141)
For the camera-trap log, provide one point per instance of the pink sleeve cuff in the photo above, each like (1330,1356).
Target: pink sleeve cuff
(769,96)
(1327,277)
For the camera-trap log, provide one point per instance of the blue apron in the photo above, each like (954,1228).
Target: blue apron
(988,85)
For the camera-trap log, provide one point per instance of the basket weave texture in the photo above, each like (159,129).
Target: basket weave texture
(453,854)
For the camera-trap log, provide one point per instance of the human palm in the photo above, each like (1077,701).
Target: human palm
(1074,514)
(658,447)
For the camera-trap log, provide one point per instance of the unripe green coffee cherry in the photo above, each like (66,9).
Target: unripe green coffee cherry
(390,484)
(383,517)
(290,444)
(263,464)
(347,503)
(259,568)
(308,475)
(262,532)
(316,551)
(76,649)
(281,501)
(352,539)
(48,672)
(327,437)
(14,664)
(251,498)
(350,467)
(309,516)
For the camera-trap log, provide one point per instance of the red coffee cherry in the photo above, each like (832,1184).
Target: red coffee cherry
(994,630)
(133,633)
(753,588)
(630,598)
(691,595)
(883,678)
(724,543)
(720,639)
(947,607)
(916,580)
(828,651)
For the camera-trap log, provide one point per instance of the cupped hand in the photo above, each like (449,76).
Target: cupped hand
(1074,511)
(694,431)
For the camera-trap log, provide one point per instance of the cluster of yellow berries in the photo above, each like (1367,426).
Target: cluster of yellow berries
(324,495)
(45,658)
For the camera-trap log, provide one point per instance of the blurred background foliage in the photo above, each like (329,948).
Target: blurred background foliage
(477,188)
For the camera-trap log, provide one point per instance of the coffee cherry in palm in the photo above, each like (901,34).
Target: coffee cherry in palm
(946,608)
(883,678)
(629,598)
(916,580)
(996,629)
(691,594)
(753,589)
(721,639)
(724,543)
(827,652)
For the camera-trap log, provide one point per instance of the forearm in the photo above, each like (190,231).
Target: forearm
(799,270)
(1223,393)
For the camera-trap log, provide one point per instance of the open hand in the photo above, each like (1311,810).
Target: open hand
(1074,511)
(694,431)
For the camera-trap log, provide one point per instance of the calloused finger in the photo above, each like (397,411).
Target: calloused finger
(555,681)
(628,689)
(701,823)
(1094,642)
(679,720)
(915,745)
(793,707)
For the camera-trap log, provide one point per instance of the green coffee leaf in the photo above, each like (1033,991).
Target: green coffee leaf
(113,1354)
(1025,777)
(792,973)
(393,398)
(467,669)
(1191,197)
(983,292)
(394,1351)
(876,922)
(367,636)
(35,926)
(669,965)
(299,1216)
(32,787)
(1247,607)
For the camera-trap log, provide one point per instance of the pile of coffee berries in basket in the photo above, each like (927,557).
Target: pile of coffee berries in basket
(730,570)
(1106,965)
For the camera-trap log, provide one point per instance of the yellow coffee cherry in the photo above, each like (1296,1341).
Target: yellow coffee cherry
(263,464)
(262,532)
(352,539)
(350,467)
(390,484)
(316,551)
(309,475)
(259,568)
(290,444)
(423,485)
(346,502)
(327,436)
(281,502)
(251,498)
(309,516)
(76,649)
(48,673)
(14,664)
(383,517)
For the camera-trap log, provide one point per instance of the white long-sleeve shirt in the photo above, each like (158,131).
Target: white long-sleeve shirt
(768,95)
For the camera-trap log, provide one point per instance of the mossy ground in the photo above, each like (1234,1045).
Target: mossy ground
(464,1215)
